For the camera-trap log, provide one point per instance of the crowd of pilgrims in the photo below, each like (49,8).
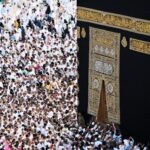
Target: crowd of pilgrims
(38,81)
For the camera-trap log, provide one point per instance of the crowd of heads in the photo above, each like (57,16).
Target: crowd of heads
(38,81)
(38,72)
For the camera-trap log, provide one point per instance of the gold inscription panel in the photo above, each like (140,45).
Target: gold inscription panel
(104,55)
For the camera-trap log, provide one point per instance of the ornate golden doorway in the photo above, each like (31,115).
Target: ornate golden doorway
(104,56)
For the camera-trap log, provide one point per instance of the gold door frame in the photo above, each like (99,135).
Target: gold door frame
(104,57)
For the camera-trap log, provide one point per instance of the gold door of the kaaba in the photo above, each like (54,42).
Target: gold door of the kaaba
(104,59)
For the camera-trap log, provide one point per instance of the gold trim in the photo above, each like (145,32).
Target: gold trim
(83,33)
(114,20)
(124,42)
(140,46)
(78,32)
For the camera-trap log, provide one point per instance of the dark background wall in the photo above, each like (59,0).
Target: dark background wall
(134,84)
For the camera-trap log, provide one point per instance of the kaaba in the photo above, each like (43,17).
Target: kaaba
(114,49)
